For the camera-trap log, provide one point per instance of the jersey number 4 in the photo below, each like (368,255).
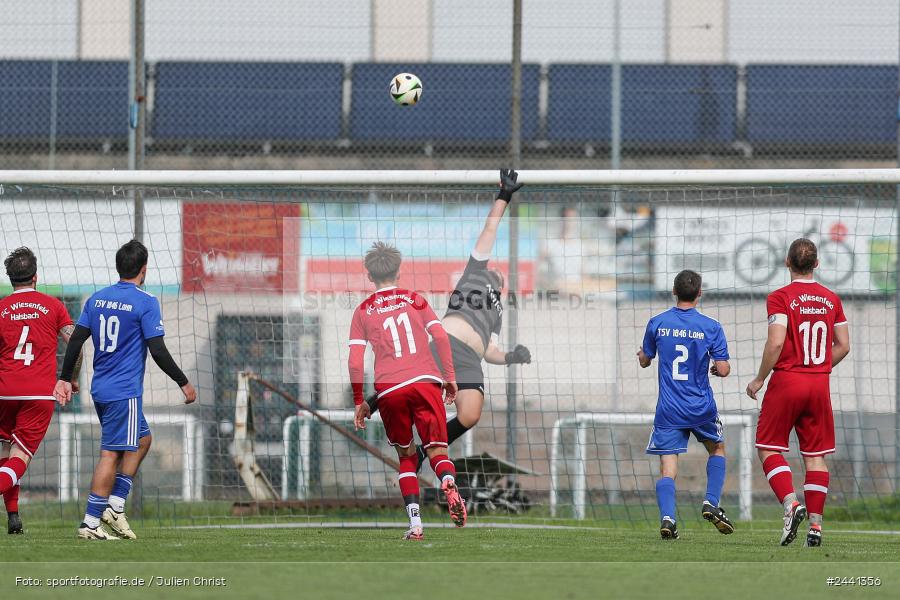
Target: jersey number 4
(814,340)
(392,325)
(24,349)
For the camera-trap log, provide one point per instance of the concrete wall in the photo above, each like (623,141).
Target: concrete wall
(583,357)
(803,31)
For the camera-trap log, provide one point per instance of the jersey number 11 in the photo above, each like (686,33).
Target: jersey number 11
(392,325)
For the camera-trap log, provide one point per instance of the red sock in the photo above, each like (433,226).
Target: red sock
(778,472)
(409,482)
(442,466)
(11,473)
(815,490)
(11,499)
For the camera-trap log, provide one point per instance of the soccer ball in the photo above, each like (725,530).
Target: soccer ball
(406,89)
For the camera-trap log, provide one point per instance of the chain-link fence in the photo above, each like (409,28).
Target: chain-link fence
(704,83)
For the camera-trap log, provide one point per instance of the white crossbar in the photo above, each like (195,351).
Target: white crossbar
(659,177)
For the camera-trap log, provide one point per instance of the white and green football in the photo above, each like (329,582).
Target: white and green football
(406,89)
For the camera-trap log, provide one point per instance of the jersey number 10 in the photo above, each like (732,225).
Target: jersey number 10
(392,325)
(814,339)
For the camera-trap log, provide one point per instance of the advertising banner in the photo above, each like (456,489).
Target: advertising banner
(742,250)
(240,247)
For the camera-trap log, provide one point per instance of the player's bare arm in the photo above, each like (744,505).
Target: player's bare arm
(771,352)
(643,360)
(841,347)
(720,368)
(508,186)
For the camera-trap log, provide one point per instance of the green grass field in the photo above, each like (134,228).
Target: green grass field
(476,562)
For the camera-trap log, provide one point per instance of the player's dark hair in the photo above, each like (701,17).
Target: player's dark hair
(130,259)
(21,266)
(687,285)
(802,256)
(383,261)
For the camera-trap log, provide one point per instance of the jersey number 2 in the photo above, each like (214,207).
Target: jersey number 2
(24,350)
(814,339)
(392,325)
(677,375)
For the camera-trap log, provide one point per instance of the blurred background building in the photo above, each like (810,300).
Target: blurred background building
(303,83)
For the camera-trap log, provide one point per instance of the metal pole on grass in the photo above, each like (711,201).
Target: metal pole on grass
(896,257)
(137,110)
(512,321)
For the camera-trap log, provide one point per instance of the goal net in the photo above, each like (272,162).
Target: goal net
(261,277)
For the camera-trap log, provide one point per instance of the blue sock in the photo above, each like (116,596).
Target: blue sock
(715,479)
(120,492)
(665,497)
(95,507)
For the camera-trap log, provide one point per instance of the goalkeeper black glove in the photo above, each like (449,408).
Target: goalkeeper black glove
(508,184)
(520,354)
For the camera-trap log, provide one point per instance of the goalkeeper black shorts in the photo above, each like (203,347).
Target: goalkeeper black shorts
(466,363)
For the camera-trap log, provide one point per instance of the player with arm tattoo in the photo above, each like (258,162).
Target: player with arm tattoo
(30,325)
(473,320)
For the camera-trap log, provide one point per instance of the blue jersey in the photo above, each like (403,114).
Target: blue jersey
(121,318)
(685,340)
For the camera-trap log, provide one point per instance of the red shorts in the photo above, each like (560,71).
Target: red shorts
(800,401)
(24,422)
(420,404)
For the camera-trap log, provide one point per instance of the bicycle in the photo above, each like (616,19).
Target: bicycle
(757,260)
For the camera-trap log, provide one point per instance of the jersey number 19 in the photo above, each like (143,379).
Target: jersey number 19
(109,333)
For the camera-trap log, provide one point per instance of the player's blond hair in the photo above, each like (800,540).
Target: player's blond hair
(383,262)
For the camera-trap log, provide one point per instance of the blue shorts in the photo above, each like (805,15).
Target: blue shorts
(122,424)
(673,440)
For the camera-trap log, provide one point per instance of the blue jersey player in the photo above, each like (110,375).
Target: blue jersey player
(685,341)
(124,322)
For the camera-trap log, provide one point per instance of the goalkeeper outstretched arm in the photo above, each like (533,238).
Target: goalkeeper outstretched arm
(509,184)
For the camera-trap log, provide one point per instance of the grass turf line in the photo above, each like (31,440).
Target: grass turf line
(496,563)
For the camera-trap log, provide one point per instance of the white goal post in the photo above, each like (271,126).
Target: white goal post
(70,440)
(582,421)
(341,416)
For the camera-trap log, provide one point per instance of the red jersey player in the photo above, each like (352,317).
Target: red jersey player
(396,322)
(30,323)
(808,335)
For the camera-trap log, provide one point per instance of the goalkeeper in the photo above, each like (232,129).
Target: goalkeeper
(473,320)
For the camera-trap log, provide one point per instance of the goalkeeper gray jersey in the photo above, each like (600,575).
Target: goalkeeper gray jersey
(477,300)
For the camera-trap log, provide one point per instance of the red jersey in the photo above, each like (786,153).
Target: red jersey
(810,311)
(29,327)
(397,323)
